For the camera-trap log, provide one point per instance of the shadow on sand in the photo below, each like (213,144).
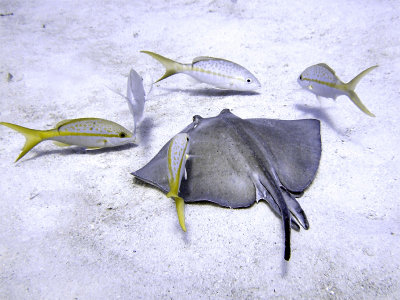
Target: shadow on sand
(320,114)
(144,131)
(79,150)
(211,92)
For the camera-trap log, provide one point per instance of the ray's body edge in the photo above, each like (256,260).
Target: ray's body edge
(163,186)
(233,162)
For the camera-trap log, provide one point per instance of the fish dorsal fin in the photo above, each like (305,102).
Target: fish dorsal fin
(202,58)
(63,122)
(207,58)
(327,67)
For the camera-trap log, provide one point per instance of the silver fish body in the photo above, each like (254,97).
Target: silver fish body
(178,150)
(91,133)
(177,155)
(322,81)
(220,73)
(136,97)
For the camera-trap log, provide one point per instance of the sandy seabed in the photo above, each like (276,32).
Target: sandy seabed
(74,223)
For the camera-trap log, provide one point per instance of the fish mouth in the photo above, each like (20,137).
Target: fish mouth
(128,140)
(257,85)
(254,89)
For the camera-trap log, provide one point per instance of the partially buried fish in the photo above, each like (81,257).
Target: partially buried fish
(235,162)
(91,133)
(176,159)
(217,72)
(321,80)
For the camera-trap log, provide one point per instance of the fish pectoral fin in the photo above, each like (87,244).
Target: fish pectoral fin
(60,144)
(101,142)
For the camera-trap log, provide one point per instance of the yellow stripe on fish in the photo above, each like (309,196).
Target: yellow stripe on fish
(321,80)
(178,150)
(217,72)
(91,133)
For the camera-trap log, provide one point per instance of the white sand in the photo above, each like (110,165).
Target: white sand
(73,224)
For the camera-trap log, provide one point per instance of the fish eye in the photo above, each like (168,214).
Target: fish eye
(301,77)
(248,80)
(187,139)
(122,135)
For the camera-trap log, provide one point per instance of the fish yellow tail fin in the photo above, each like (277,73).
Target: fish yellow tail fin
(171,67)
(353,97)
(32,136)
(180,209)
(353,83)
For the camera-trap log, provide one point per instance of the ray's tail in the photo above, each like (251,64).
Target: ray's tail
(286,229)
(32,137)
(180,209)
(171,67)
(351,85)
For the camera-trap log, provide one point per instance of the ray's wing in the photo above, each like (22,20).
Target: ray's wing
(216,170)
(156,171)
(296,147)
(212,174)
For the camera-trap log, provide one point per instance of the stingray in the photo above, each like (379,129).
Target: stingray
(235,162)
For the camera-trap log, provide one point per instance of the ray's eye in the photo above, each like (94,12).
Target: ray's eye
(122,135)
(248,80)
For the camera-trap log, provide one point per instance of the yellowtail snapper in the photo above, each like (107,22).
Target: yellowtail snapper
(217,72)
(321,80)
(136,97)
(91,133)
(177,155)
